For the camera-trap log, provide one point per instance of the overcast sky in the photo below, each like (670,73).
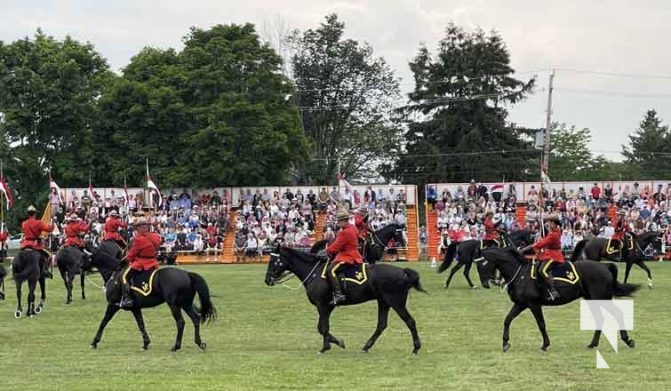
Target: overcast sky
(575,37)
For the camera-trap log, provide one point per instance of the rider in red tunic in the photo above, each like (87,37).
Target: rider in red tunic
(621,228)
(142,256)
(3,238)
(345,250)
(491,232)
(111,229)
(32,228)
(551,246)
(74,231)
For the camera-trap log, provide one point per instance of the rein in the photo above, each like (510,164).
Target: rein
(504,287)
(307,278)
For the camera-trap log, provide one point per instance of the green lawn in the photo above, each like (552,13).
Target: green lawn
(266,338)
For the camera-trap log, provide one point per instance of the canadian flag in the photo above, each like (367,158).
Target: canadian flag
(497,188)
(151,185)
(342,182)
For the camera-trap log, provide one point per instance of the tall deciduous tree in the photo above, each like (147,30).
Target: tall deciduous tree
(457,126)
(345,96)
(648,149)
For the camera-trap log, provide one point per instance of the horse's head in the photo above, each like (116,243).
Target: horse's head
(277,267)
(497,258)
(105,263)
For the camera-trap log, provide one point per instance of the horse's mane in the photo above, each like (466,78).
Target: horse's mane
(102,260)
(505,254)
(300,255)
(319,245)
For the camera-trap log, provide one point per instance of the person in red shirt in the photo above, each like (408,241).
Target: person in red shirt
(74,231)
(344,249)
(142,256)
(32,228)
(111,229)
(491,232)
(551,252)
(621,229)
(3,239)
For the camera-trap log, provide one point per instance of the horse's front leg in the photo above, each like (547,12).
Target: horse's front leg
(82,276)
(112,309)
(137,313)
(512,314)
(323,328)
(643,266)
(467,272)
(540,321)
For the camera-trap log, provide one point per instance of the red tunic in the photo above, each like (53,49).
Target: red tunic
(551,245)
(620,228)
(3,237)
(143,252)
(73,232)
(490,230)
(32,228)
(345,247)
(361,225)
(111,229)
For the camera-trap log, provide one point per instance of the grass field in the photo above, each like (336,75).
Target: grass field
(266,338)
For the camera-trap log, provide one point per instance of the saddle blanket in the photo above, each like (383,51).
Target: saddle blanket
(141,281)
(352,273)
(564,272)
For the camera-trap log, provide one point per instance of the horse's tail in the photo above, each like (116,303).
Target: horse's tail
(578,249)
(414,279)
(450,253)
(207,311)
(621,289)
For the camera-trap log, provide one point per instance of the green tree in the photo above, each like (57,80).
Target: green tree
(648,149)
(456,128)
(48,94)
(345,96)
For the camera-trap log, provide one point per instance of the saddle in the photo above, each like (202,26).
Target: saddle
(140,281)
(615,246)
(355,274)
(564,272)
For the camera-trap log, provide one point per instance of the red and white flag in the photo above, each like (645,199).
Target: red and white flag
(545,178)
(54,185)
(342,182)
(497,188)
(7,192)
(151,185)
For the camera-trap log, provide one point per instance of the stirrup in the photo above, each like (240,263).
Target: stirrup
(126,303)
(338,298)
(552,294)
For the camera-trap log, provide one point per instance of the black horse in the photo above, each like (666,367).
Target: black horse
(468,251)
(72,261)
(591,280)
(173,286)
(387,284)
(110,247)
(634,251)
(27,267)
(373,249)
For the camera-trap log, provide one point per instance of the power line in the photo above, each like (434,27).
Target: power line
(611,93)
(605,73)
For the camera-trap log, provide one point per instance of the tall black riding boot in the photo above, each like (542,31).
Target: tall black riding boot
(338,296)
(553,294)
(45,259)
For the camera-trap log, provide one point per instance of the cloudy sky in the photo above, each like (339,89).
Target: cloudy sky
(611,57)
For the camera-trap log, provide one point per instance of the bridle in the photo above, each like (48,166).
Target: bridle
(288,275)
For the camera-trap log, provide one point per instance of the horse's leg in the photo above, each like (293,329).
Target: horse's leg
(382,314)
(137,313)
(112,309)
(399,306)
(82,276)
(540,321)
(19,310)
(43,293)
(512,314)
(64,276)
(179,322)
(195,318)
(467,271)
(454,271)
(323,328)
(627,270)
(643,266)
(31,297)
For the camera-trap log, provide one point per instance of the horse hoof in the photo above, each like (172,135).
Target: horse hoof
(631,343)
(506,347)
(17,314)
(202,346)
(544,349)
(474,287)
(174,349)
(93,345)
(340,343)
(38,310)
(590,346)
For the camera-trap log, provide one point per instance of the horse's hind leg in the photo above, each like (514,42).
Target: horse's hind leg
(137,313)
(82,276)
(537,311)
(68,290)
(109,314)
(43,294)
(179,322)
(398,303)
(382,314)
(31,298)
(454,271)
(643,266)
(19,309)
(195,318)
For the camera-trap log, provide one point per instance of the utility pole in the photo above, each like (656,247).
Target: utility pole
(548,124)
